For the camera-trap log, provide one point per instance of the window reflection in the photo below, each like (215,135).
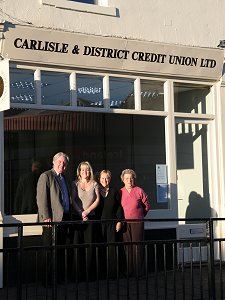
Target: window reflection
(121,93)
(55,88)
(152,95)
(112,141)
(22,86)
(194,99)
(89,91)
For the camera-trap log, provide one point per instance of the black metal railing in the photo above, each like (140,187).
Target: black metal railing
(171,268)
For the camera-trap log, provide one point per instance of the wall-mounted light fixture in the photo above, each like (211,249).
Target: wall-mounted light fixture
(221,44)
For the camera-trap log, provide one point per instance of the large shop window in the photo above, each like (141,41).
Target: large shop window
(191,98)
(53,88)
(89,91)
(121,92)
(22,89)
(152,95)
(113,141)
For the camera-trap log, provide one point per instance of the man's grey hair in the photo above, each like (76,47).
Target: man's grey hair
(57,155)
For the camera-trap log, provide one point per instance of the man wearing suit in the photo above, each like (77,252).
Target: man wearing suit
(54,205)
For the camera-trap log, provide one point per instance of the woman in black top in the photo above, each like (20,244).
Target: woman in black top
(109,209)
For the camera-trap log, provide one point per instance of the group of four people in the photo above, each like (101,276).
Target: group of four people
(86,200)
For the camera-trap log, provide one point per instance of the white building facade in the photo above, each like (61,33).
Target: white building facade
(122,84)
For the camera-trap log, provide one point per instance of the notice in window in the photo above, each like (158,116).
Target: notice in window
(161,174)
(162,193)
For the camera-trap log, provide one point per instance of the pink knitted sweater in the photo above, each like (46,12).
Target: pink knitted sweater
(135,204)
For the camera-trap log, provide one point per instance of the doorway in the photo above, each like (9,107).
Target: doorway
(192,138)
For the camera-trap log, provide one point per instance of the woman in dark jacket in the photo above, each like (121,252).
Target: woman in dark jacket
(110,209)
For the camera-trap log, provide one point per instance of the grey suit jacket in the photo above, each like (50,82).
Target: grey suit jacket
(49,199)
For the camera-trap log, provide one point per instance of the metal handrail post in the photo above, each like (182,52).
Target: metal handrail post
(54,261)
(19,266)
(211,261)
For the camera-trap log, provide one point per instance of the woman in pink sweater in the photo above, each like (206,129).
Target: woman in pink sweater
(135,205)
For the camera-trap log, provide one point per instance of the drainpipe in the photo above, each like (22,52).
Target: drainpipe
(4,105)
(1,194)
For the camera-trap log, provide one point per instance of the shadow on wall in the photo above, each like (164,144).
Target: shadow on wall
(199,208)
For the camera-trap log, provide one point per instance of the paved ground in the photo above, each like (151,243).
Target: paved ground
(181,284)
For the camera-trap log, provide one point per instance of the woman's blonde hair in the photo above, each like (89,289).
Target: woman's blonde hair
(106,172)
(128,171)
(85,163)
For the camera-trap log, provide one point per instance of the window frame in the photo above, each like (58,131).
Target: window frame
(106,92)
(168,113)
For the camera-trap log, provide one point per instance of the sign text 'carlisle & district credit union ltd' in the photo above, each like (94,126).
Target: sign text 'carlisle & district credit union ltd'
(86,51)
